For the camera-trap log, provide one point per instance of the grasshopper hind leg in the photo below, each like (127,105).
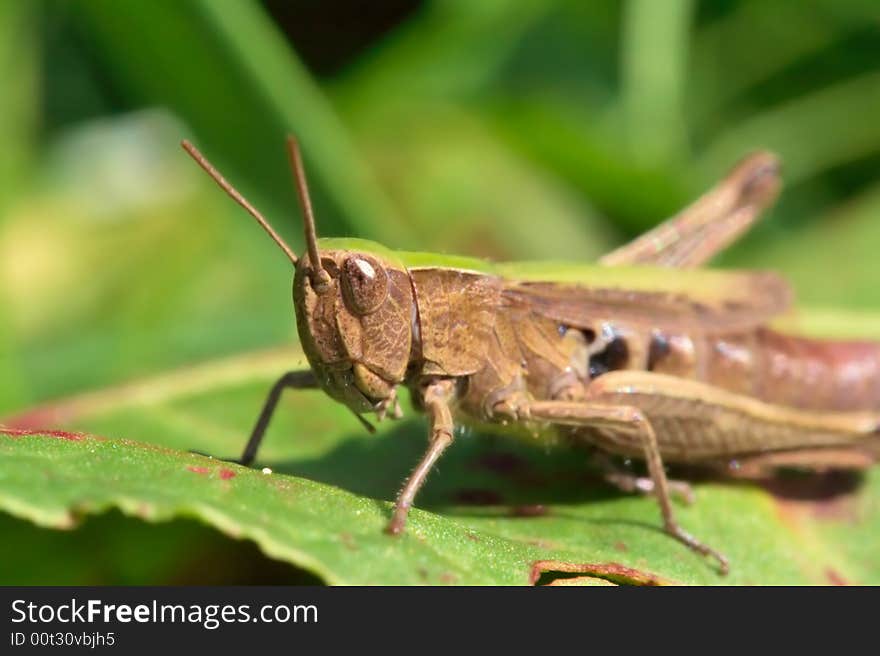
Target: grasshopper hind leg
(766,465)
(633,427)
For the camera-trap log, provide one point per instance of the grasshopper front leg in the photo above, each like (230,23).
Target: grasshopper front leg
(632,425)
(436,398)
(290,380)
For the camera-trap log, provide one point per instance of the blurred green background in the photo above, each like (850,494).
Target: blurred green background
(509,129)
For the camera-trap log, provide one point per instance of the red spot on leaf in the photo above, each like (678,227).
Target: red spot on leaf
(834,577)
(198,470)
(63,435)
(348,541)
(33,419)
(448,578)
(226,474)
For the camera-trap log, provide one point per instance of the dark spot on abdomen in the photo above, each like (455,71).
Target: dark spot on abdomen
(658,350)
(614,356)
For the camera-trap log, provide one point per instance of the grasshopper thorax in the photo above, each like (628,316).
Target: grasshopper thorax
(356,328)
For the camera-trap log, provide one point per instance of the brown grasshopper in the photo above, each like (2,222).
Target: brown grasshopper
(634,357)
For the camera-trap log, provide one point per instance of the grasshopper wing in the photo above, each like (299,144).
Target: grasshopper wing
(716,301)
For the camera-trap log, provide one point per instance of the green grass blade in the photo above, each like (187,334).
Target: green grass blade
(449,49)
(812,133)
(654,60)
(228,72)
(19,61)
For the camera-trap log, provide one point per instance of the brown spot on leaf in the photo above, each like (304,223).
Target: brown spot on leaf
(529,510)
(621,546)
(198,470)
(448,578)
(226,474)
(472,537)
(348,541)
(545,571)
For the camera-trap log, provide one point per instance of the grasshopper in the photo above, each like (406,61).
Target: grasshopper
(636,357)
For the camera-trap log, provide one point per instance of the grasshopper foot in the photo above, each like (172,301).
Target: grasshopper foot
(692,543)
(389,407)
(398,520)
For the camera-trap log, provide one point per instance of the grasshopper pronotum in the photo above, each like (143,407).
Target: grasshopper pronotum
(634,357)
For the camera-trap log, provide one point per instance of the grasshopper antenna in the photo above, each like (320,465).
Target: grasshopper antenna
(320,278)
(237,197)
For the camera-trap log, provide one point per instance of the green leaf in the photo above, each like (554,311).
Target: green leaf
(496,511)
(492,126)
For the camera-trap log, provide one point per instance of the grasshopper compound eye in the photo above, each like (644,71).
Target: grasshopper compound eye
(364,283)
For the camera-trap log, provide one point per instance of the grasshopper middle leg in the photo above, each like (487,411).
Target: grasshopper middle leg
(628,482)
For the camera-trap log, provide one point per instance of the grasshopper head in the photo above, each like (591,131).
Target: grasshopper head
(354,305)
(355,323)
